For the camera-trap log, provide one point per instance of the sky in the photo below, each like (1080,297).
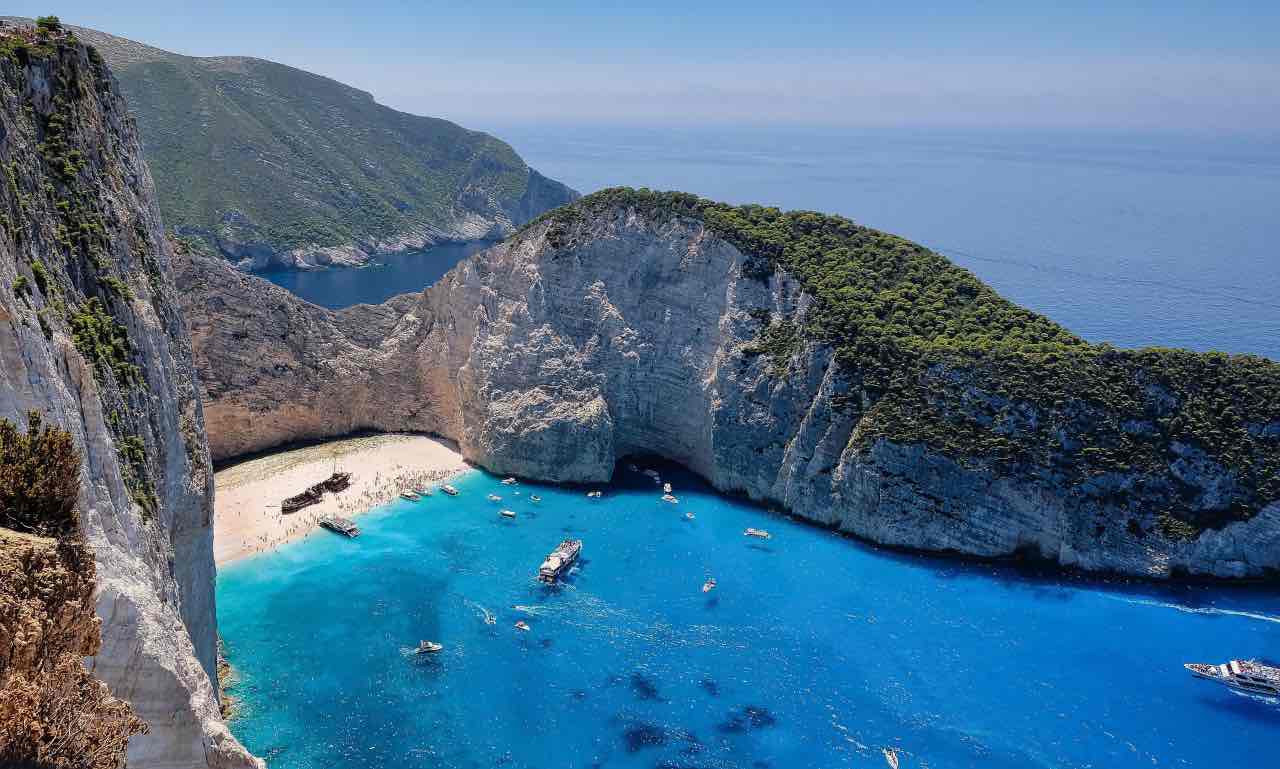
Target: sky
(1211,66)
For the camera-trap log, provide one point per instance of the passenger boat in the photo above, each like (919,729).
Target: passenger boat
(429,647)
(409,495)
(340,525)
(494,498)
(509,481)
(1241,675)
(669,498)
(761,533)
(559,560)
(709,585)
(451,491)
(507,513)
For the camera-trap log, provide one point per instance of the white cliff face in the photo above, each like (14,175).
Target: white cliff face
(82,230)
(636,337)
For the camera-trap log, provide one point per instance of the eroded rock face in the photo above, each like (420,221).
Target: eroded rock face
(553,357)
(91,337)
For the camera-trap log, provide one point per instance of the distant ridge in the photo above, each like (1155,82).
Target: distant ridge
(275,167)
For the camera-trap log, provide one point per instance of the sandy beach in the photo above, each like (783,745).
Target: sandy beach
(247,497)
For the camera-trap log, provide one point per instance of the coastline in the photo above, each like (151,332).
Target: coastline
(247,517)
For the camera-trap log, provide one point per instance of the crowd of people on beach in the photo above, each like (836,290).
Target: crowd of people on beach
(383,489)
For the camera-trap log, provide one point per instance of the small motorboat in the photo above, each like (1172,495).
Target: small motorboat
(451,491)
(761,533)
(535,498)
(422,492)
(669,498)
(633,468)
(509,481)
(494,498)
(890,757)
(409,495)
(429,647)
(507,513)
(688,516)
(653,474)
(595,494)
(666,487)
(709,585)
(522,625)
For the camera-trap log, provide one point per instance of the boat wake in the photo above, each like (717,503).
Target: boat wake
(489,617)
(1199,609)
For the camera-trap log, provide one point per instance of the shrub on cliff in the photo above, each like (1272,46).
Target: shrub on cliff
(39,478)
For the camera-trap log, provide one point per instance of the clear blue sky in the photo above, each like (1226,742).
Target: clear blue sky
(1174,65)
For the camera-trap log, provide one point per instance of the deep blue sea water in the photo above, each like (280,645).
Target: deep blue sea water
(381,279)
(813,651)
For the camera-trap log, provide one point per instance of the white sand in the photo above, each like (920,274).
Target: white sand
(247,496)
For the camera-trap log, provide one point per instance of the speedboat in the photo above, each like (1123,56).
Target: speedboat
(451,491)
(688,516)
(429,647)
(669,498)
(535,498)
(595,494)
(1241,675)
(409,495)
(709,585)
(522,625)
(666,487)
(761,533)
(495,498)
(890,757)
(507,513)
(509,481)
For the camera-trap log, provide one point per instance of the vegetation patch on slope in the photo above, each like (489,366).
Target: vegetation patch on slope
(947,362)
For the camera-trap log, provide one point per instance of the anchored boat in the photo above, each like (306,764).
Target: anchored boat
(494,498)
(507,513)
(451,491)
(1242,675)
(761,533)
(559,560)
(340,525)
(411,496)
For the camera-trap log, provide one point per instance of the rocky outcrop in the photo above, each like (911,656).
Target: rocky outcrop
(92,339)
(625,331)
(52,711)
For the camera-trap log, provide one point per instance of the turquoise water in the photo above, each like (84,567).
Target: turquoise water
(813,651)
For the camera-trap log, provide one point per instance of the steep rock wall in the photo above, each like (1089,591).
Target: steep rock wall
(91,337)
(556,353)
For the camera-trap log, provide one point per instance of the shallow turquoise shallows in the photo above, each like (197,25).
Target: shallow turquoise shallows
(812,651)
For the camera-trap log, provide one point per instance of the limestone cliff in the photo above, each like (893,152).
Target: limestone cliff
(91,338)
(728,340)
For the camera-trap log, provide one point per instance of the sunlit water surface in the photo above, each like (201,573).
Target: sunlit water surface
(813,651)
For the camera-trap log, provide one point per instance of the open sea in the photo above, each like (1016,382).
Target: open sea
(1135,239)
(813,650)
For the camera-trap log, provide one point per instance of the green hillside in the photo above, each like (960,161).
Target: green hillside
(254,155)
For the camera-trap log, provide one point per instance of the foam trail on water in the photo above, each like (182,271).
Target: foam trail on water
(1198,609)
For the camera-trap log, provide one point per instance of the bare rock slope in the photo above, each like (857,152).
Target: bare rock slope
(91,338)
(842,374)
